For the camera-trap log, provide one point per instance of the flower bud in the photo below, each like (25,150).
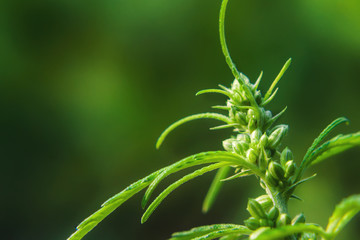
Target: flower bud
(264,140)
(262,161)
(283,220)
(270,179)
(243,137)
(286,155)
(273,213)
(265,201)
(300,218)
(240,147)
(290,168)
(228,144)
(276,170)
(251,155)
(277,136)
(255,209)
(252,223)
(255,136)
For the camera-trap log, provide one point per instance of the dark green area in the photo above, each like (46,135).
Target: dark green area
(86,87)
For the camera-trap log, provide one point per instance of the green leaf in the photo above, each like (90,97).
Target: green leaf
(335,146)
(228,94)
(214,188)
(306,161)
(203,230)
(178,183)
(221,233)
(197,159)
(110,205)
(228,59)
(279,233)
(216,116)
(343,213)
(277,79)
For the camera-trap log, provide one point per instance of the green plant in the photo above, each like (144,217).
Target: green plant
(253,150)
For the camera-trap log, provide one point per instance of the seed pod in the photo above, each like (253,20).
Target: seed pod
(265,201)
(264,140)
(300,218)
(290,168)
(263,162)
(255,209)
(286,155)
(243,137)
(270,179)
(255,136)
(283,220)
(239,148)
(252,223)
(228,144)
(277,136)
(273,213)
(251,155)
(276,170)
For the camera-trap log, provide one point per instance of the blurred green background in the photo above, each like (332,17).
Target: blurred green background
(88,86)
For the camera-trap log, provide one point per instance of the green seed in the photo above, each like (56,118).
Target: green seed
(276,170)
(286,156)
(276,136)
(255,209)
(252,223)
(290,168)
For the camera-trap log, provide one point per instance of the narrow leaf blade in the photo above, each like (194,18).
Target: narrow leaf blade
(216,116)
(279,233)
(214,188)
(343,213)
(110,205)
(199,231)
(335,146)
(175,185)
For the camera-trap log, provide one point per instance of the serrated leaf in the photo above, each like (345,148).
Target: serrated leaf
(214,188)
(221,233)
(306,160)
(335,146)
(110,205)
(288,230)
(216,116)
(199,231)
(177,184)
(197,159)
(343,213)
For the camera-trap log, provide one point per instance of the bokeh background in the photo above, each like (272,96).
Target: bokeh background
(88,86)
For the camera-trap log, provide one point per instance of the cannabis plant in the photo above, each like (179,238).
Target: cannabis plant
(254,150)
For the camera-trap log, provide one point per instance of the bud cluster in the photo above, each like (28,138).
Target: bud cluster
(259,145)
(255,142)
(265,214)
